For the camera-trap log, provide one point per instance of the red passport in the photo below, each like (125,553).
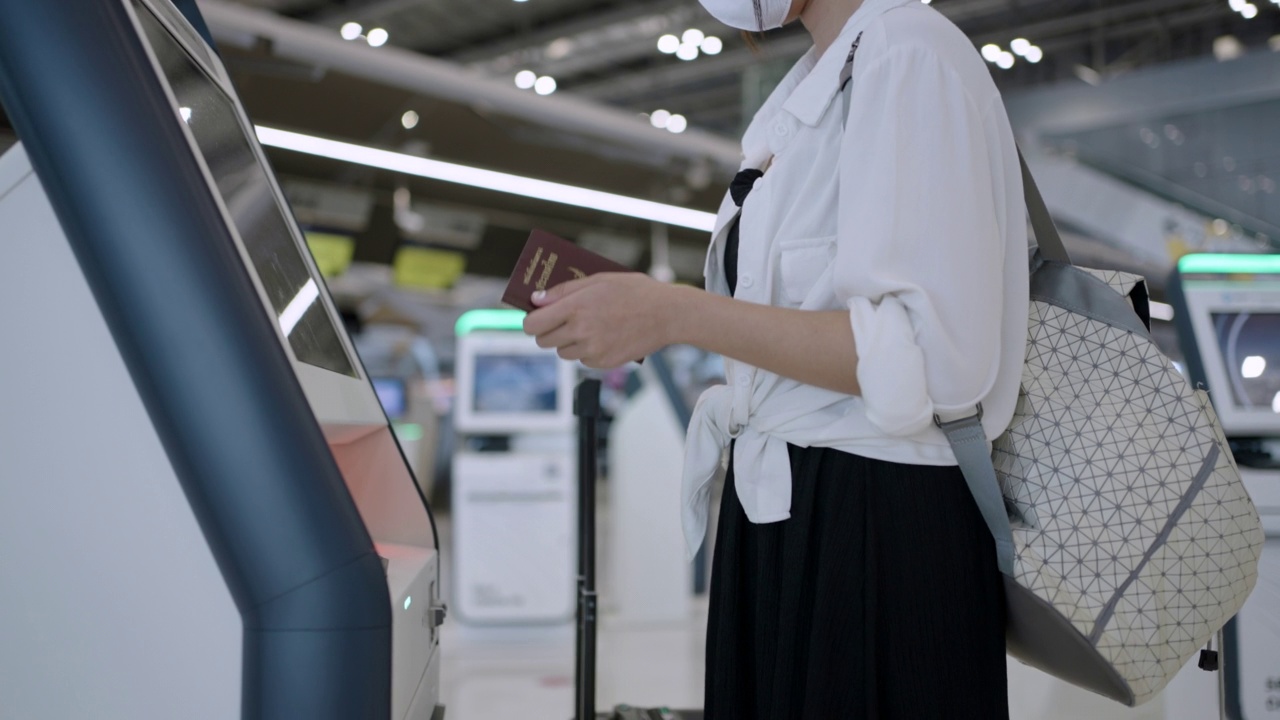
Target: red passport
(548,261)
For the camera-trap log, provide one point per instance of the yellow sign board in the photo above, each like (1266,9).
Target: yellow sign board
(428,269)
(332,252)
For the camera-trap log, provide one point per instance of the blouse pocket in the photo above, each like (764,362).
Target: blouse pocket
(801,264)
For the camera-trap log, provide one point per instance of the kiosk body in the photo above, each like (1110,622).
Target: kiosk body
(1227,309)
(231,529)
(514,479)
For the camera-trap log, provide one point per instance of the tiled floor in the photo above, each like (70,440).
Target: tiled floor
(496,674)
(505,673)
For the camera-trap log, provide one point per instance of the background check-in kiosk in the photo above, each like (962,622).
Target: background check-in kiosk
(1227,309)
(204,512)
(514,475)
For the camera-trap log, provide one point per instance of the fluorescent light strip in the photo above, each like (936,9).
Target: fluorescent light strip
(297,307)
(487,179)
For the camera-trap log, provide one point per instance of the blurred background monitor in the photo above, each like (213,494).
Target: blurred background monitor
(506,384)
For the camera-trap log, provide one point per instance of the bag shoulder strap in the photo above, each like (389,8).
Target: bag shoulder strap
(966,436)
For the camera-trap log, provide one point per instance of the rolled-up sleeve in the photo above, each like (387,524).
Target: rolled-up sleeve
(919,256)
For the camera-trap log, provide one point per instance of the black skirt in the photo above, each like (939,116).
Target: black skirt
(879,599)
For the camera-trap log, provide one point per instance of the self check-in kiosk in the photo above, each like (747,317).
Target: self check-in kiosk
(514,476)
(204,512)
(1227,310)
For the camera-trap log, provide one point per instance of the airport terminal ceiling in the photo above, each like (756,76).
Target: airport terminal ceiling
(606,52)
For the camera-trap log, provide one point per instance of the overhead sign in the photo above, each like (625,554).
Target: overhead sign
(332,253)
(427,269)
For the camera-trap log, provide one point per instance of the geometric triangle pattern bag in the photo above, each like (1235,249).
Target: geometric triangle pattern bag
(1123,530)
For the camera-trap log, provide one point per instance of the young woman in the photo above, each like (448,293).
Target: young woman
(867,273)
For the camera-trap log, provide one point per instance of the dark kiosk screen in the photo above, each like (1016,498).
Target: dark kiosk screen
(1250,346)
(247,193)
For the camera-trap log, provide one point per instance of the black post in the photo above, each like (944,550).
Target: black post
(586,405)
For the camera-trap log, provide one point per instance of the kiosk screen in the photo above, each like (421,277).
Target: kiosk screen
(393,396)
(1250,346)
(251,201)
(516,383)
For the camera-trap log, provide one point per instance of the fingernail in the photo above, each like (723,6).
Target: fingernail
(538,295)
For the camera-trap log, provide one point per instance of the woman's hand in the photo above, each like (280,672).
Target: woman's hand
(605,320)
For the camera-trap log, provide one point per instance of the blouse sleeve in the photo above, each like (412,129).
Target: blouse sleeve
(919,256)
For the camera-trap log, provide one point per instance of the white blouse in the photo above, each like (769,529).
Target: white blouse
(910,218)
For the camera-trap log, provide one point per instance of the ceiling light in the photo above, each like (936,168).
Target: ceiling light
(660,118)
(687,52)
(409,119)
(1253,367)
(378,37)
(692,36)
(1227,47)
(525,79)
(545,85)
(712,45)
(991,52)
(668,44)
(1005,61)
(487,179)
(350,31)
(1250,11)
(1034,54)
(1275,403)
(559,48)
(677,124)
(1020,46)
(185,112)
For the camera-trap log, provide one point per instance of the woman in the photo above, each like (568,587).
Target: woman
(874,278)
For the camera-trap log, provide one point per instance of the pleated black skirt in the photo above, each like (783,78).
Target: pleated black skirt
(879,599)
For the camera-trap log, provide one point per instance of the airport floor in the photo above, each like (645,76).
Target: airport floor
(504,673)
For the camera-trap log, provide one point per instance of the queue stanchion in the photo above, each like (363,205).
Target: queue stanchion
(586,406)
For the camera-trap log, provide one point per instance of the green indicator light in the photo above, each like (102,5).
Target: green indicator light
(409,432)
(1229,264)
(473,320)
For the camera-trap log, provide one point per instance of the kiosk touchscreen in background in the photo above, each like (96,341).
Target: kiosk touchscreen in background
(1250,346)
(516,383)
(393,396)
(250,200)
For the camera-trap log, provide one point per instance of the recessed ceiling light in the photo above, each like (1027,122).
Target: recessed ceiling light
(409,119)
(351,31)
(545,85)
(378,37)
(712,45)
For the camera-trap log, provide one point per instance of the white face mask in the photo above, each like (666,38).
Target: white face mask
(741,14)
